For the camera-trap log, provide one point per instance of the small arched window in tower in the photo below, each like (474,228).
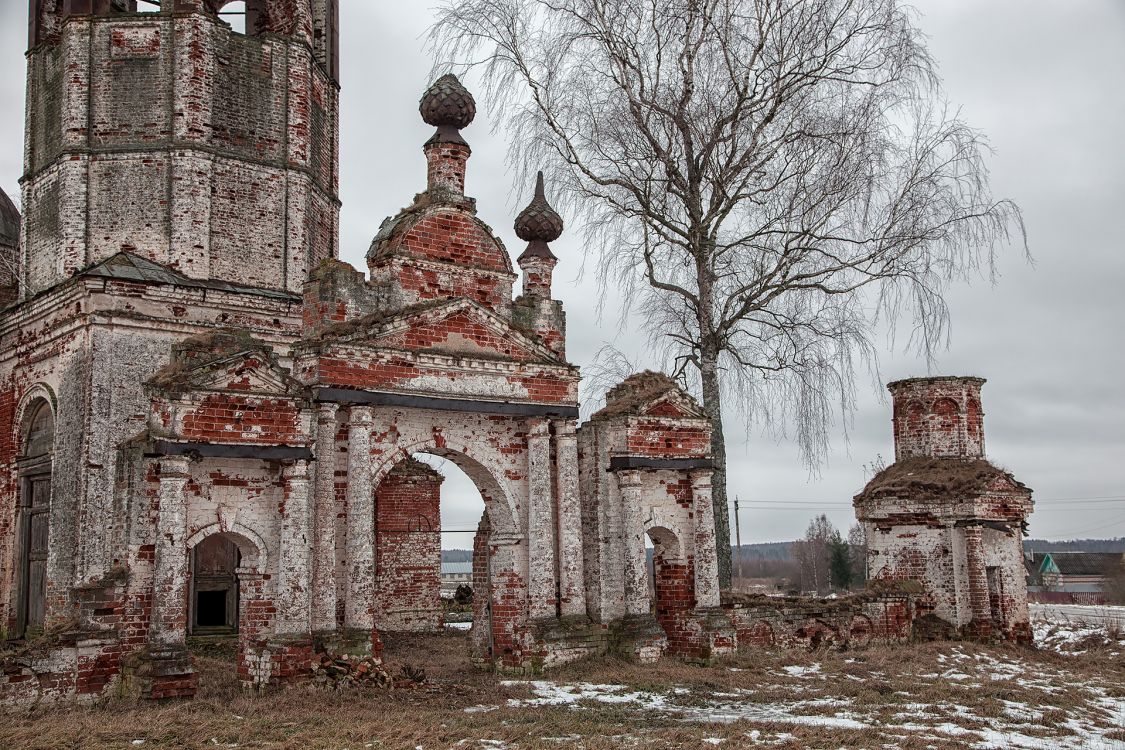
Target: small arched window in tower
(34,465)
(974,420)
(946,416)
(146,6)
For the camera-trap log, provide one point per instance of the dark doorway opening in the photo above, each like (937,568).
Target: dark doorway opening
(211,609)
(215,563)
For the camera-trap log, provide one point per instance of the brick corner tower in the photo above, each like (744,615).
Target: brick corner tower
(946,518)
(170,136)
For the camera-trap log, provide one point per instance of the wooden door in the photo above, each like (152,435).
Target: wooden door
(36,531)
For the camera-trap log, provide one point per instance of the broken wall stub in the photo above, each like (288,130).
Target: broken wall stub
(946,518)
(408,549)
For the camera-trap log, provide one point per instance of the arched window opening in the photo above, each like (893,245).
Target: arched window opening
(39,436)
(37,444)
(234,14)
(146,6)
(214,597)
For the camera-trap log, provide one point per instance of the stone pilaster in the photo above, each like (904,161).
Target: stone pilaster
(540,526)
(168,628)
(706,562)
(294,555)
(636,571)
(360,547)
(324,522)
(572,585)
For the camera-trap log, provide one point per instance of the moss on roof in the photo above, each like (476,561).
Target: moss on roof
(936,479)
(636,391)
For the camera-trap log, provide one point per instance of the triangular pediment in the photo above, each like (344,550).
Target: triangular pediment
(672,405)
(459,327)
(225,362)
(248,372)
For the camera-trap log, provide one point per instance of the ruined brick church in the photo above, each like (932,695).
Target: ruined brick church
(208,422)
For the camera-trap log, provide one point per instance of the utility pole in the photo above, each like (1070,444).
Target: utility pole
(738,536)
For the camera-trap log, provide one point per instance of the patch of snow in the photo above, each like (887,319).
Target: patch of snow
(799,671)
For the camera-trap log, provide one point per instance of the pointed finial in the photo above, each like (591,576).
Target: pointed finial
(539,223)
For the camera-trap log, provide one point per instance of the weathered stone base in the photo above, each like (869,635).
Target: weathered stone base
(160,673)
(639,637)
(565,640)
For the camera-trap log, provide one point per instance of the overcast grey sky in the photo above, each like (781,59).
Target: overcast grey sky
(1042,78)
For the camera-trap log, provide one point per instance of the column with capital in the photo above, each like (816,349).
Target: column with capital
(572,585)
(360,544)
(324,515)
(706,545)
(295,552)
(168,627)
(636,568)
(540,522)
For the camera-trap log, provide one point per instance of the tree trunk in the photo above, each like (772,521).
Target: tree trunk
(713,405)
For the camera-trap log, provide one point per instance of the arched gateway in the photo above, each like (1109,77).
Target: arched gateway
(432,355)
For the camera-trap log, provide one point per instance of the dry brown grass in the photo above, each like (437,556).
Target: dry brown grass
(880,684)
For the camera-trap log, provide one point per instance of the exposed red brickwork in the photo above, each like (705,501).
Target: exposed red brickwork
(658,438)
(454,237)
(938,417)
(675,599)
(464,331)
(225,418)
(446,165)
(430,284)
(385,371)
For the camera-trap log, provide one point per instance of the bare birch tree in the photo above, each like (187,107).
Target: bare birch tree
(764,181)
(813,554)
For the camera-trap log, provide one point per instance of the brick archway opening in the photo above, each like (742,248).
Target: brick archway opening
(673,588)
(435,501)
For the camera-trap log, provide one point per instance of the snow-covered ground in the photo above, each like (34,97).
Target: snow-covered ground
(1073,629)
(1028,704)
(1113,616)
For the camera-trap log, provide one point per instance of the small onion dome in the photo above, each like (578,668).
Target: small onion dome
(448,104)
(539,223)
